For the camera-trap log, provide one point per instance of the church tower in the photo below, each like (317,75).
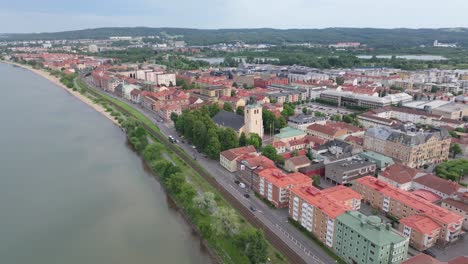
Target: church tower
(253,121)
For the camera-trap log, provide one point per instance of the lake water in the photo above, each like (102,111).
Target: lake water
(406,57)
(72,191)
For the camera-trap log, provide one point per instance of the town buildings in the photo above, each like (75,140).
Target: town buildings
(316,210)
(228,158)
(347,170)
(386,116)
(295,163)
(402,204)
(274,185)
(413,149)
(365,239)
(367,101)
(301,122)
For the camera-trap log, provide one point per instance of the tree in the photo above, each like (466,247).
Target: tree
(213,109)
(340,80)
(240,111)
(234,84)
(304,110)
(452,169)
(228,107)
(270,152)
(255,140)
(347,119)
(434,89)
(174,117)
(253,244)
(152,152)
(226,221)
(213,146)
(320,114)
(336,118)
(206,202)
(455,149)
(242,140)
(295,153)
(186,194)
(316,180)
(228,138)
(171,84)
(174,182)
(288,110)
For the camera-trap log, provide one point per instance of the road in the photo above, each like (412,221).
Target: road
(274,219)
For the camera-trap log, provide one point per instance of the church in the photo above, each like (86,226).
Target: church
(251,122)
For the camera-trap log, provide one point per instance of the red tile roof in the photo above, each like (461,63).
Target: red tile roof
(427,195)
(232,154)
(421,206)
(422,259)
(282,180)
(438,184)
(333,201)
(421,223)
(299,160)
(400,173)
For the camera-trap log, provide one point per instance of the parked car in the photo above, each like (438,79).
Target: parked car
(237,182)
(242,185)
(253,209)
(246,195)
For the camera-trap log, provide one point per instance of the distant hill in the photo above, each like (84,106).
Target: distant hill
(382,38)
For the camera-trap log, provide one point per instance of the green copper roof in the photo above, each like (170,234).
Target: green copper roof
(289,132)
(370,227)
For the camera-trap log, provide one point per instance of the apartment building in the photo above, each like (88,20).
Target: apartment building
(326,131)
(458,205)
(316,210)
(384,116)
(248,168)
(301,122)
(361,239)
(347,170)
(355,99)
(402,204)
(274,185)
(228,158)
(413,149)
(421,230)
(400,176)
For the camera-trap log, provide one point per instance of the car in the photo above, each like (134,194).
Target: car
(430,253)
(246,195)
(237,182)
(253,209)
(193,146)
(242,185)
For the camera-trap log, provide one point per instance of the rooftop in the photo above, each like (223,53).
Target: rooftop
(282,180)
(420,205)
(299,160)
(421,223)
(401,173)
(376,156)
(232,154)
(289,132)
(442,185)
(370,227)
(229,119)
(457,204)
(333,201)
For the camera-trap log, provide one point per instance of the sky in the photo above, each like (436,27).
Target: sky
(27,16)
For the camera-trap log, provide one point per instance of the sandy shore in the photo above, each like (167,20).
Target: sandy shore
(57,82)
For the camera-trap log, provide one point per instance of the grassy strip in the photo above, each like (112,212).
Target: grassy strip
(223,245)
(316,240)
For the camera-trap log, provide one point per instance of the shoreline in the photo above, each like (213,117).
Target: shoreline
(54,80)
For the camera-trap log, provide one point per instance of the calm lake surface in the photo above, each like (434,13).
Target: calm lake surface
(72,191)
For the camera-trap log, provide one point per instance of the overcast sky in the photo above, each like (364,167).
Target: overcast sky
(59,15)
